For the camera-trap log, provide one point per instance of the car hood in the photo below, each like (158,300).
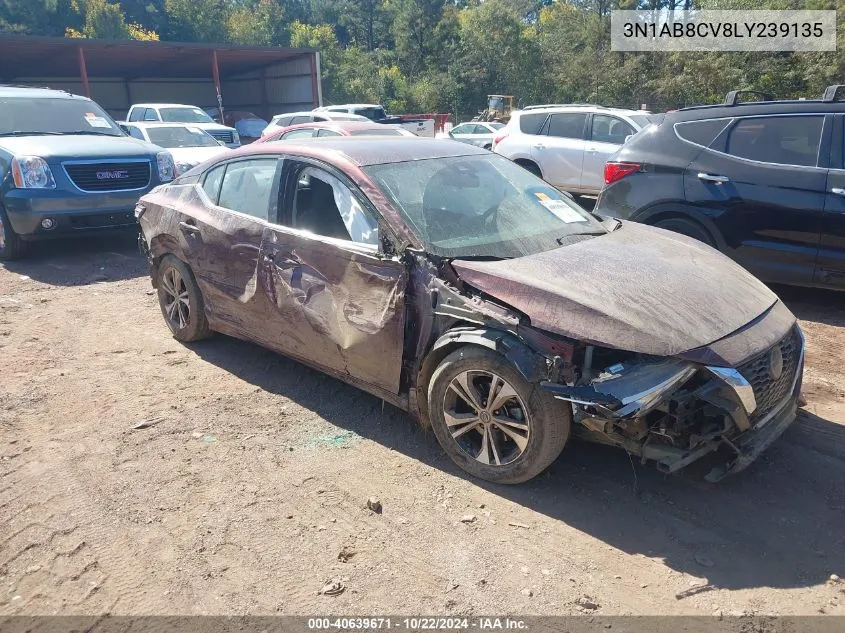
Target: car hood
(196,155)
(79,147)
(638,288)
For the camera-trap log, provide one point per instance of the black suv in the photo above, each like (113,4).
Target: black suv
(762,181)
(67,168)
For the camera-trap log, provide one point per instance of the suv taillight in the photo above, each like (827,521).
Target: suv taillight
(500,138)
(614,171)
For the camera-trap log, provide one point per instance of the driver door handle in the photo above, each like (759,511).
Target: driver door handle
(839,191)
(717,180)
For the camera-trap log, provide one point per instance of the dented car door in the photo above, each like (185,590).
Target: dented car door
(338,303)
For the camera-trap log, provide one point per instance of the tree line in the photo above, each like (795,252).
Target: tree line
(447,55)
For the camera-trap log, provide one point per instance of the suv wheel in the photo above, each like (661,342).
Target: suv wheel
(686,227)
(11,245)
(492,422)
(530,166)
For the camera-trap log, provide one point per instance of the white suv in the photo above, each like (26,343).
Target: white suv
(567,145)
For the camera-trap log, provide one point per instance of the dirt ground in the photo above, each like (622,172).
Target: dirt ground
(245,491)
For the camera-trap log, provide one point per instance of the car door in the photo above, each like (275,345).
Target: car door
(606,135)
(830,263)
(222,235)
(559,149)
(760,183)
(338,303)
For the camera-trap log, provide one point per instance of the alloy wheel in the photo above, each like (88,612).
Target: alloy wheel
(486,417)
(177,304)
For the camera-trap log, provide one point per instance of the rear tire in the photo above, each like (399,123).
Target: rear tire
(12,247)
(530,166)
(525,433)
(181,301)
(689,228)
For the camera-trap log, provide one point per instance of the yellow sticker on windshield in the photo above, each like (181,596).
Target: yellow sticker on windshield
(541,196)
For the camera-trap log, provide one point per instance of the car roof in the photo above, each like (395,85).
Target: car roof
(164,105)
(351,105)
(552,109)
(160,124)
(369,150)
(28,92)
(340,125)
(721,110)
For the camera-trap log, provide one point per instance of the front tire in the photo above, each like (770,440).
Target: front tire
(492,422)
(12,247)
(181,301)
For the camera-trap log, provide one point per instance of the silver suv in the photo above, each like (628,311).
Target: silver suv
(567,145)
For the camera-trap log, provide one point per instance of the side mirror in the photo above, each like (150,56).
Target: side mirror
(223,143)
(628,138)
(124,128)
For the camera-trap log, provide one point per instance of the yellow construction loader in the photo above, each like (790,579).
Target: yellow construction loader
(498,109)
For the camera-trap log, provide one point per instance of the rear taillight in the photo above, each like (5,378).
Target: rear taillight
(614,171)
(500,138)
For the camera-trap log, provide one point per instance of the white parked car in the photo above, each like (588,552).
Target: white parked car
(297,118)
(567,146)
(480,134)
(179,113)
(188,144)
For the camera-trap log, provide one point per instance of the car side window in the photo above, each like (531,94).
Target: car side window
(282,121)
(701,132)
(461,129)
(609,129)
(247,187)
(785,140)
(300,119)
(211,183)
(134,132)
(300,133)
(150,115)
(531,123)
(567,125)
(324,205)
(134,115)
(328,133)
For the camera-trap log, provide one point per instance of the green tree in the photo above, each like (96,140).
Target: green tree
(258,23)
(198,20)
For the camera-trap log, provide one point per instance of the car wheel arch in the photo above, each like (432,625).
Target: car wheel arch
(669,211)
(523,358)
(162,245)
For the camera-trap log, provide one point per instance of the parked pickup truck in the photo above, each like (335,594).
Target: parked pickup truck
(66,168)
(420,127)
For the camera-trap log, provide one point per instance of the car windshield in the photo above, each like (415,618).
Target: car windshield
(385,132)
(374,114)
(184,115)
(54,116)
(179,136)
(481,206)
(643,120)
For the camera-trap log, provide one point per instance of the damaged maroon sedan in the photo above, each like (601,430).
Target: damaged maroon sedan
(454,284)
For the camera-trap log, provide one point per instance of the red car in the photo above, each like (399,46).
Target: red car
(335,128)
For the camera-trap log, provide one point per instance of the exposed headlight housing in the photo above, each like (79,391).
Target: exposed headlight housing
(183,166)
(32,172)
(166,166)
(236,138)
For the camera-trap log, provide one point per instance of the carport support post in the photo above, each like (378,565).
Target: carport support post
(83,71)
(215,72)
